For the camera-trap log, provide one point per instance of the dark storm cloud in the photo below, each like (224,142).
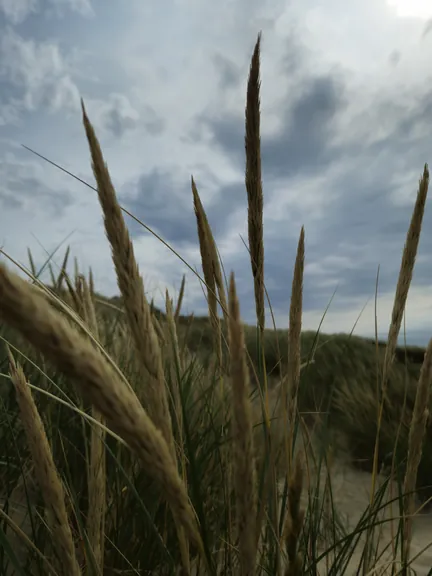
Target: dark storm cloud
(167,206)
(362,224)
(302,145)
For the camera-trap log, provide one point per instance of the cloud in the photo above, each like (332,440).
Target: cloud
(346,105)
(34,75)
(302,142)
(17,11)
(23,189)
(117,115)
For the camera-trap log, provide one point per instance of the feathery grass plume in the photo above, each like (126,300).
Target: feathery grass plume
(52,275)
(294,523)
(244,467)
(62,272)
(22,308)
(406,270)
(180,298)
(45,471)
(415,440)
(89,307)
(76,268)
(97,467)
(31,262)
(202,221)
(132,288)
(74,300)
(207,261)
(290,385)
(254,182)
(402,289)
(254,189)
(158,329)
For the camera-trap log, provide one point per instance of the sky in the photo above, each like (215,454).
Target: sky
(346,103)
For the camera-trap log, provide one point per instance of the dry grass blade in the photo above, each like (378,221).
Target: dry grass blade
(97,492)
(46,473)
(132,289)
(244,467)
(415,441)
(254,182)
(97,468)
(24,310)
(175,362)
(29,544)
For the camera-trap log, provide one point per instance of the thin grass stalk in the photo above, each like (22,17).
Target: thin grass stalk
(97,467)
(402,289)
(415,441)
(22,308)
(244,467)
(175,364)
(46,472)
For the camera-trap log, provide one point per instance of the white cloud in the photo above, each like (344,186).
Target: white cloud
(37,73)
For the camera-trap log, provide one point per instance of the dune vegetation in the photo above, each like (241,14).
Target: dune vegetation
(143,441)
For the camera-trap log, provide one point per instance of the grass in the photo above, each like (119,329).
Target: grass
(139,441)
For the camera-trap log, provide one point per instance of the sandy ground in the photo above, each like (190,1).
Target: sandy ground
(351,495)
(351,490)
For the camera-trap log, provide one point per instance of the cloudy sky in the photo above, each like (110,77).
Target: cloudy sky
(346,130)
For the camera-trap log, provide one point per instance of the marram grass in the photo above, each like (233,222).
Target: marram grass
(168,444)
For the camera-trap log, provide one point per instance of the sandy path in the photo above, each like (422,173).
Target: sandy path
(351,490)
(351,496)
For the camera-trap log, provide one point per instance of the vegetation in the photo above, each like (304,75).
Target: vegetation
(138,441)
